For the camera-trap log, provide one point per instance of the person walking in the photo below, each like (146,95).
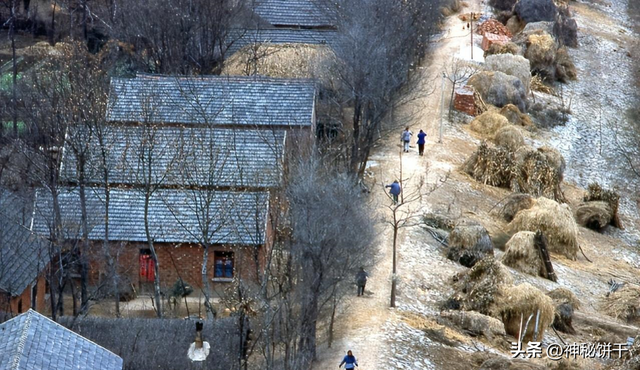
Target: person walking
(406,139)
(395,190)
(361,281)
(349,361)
(421,141)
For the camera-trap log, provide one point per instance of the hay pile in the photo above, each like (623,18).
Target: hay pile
(541,52)
(507,48)
(475,323)
(515,117)
(518,303)
(513,65)
(565,303)
(493,26)
(554,220)
(624,303)
(509,137)
(531,171)
(514,24)
(595,192)
(488,123)
(538,85)
(283,60)
(515,203)
(482,286)
(595,215)
(468,243)
(565,69)
(536,10)
(523,255)
(500,89)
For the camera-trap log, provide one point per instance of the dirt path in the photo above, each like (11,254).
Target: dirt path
(363,321)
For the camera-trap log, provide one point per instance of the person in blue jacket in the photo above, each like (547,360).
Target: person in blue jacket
(395,190)
(349,361)
(421,141)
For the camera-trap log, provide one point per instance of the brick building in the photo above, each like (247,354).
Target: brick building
(23,258)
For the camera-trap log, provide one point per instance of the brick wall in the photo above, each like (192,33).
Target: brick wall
(464,101)
(22,303)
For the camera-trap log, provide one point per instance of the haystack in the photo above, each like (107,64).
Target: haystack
(565,303)
(518,303)
(475,323)
(490,165)
(515,117)
(284,60)
(554,220)
(500,89)
(513,65)
(624,303)
(509,137)
(596,192)
(468,243)
(565,69)
(483,285)
(522,254)
(497,48)
(541,50)
(594,215)
(488,123)
(515,203)
(539,172)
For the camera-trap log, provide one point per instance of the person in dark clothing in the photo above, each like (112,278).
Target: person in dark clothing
(421,141)
(395,190)
(349,361)
(361,281)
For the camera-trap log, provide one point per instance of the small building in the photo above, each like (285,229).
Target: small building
(23,258)
(31,341)
(489,39)
(464,100)
(296,14)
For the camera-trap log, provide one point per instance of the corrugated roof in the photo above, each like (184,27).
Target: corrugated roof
(31,341)
(195,157)
(303,13)
(213,100)
(23,255)
(281,36)
(175,216)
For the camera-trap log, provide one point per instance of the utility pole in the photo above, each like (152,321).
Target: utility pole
(441,106)
(472,36)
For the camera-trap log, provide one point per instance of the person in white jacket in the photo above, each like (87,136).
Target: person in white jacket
(406,139)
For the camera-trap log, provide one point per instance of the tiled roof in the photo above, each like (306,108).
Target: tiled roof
(303,13)
(231,217)
(213,100)
(282,36)
(23,255)
(195,157)
(33,342)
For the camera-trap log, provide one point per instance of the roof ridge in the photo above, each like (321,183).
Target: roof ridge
(260,78)
(15,363)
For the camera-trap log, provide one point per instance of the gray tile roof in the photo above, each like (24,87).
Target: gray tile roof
(212,100)
(232,218)
(281,36)
(303,13)
(33,342)
(23,255)
(195,157)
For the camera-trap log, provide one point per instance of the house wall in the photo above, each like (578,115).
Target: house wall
(22,303)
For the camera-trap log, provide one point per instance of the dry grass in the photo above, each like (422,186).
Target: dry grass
(515,203)
(468,243)
(624,304)
(555,159)
(522,254)
(433,329)
(555,221)
(538,85)
(515,117)
(507,48)
(482,286)
(596,192)
(509,137)
(490,165)
(565,69)
(519,303)
(488,123)
(513,65)
(595,215)
(541,50)
(475,322)
(564,295)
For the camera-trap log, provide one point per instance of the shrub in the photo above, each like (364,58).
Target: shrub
(514,65)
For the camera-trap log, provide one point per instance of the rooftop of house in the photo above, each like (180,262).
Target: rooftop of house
(32,341)
(23,255)
(301,13)
(174,215)
(192,157)
(249,101)
(282,36)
